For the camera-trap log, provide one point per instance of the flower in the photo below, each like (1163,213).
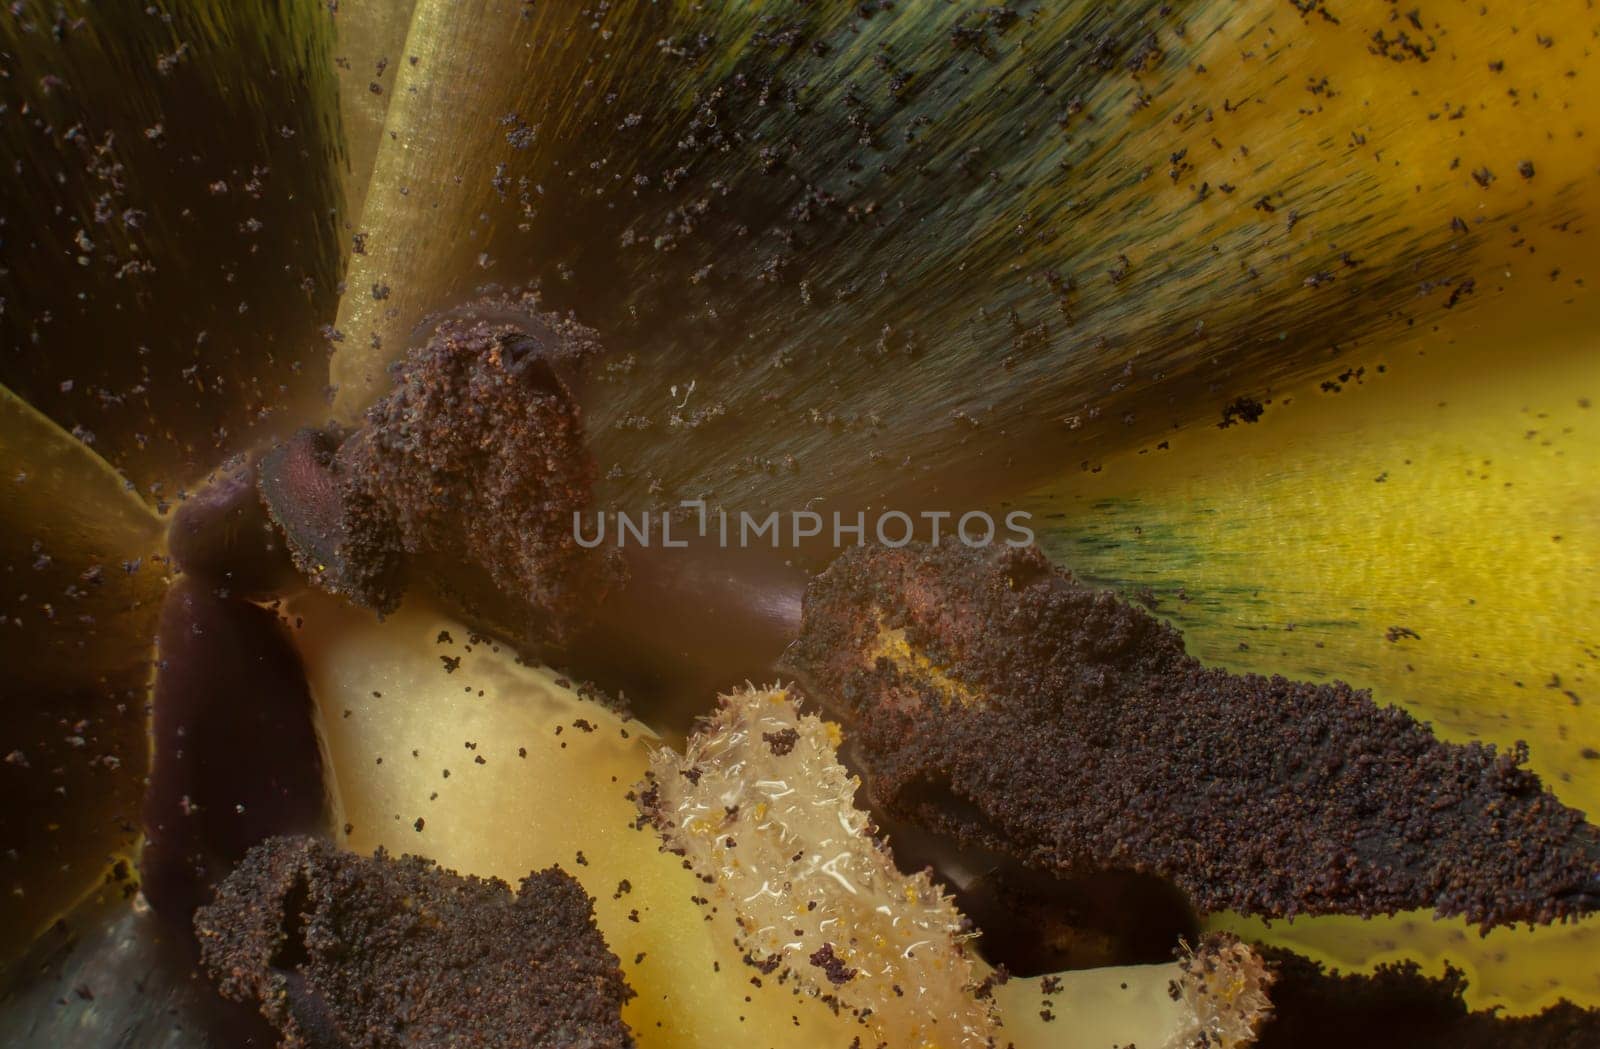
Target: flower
(1284,309)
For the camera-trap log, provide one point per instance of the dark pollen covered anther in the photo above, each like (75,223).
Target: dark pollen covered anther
(339,950)
(1398,1006)
(303,484)
(465,477)
(1069,730)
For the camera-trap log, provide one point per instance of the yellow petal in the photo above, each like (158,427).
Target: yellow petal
(371,49)
(1451,496)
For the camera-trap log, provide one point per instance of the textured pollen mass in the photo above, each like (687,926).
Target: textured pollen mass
(302,486)
(1398,1006)
(465,477)
(476,461)
(996,700)
(763,812)
(339,950)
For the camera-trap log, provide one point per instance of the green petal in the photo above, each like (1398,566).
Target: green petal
(79,592)
(942,249)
